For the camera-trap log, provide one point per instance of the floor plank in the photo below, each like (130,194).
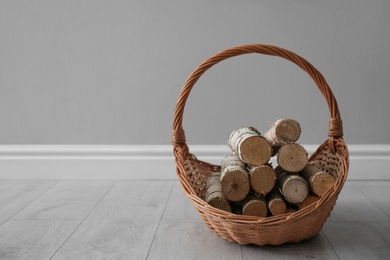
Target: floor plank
(179,206)
(155,220)
(353,205)
(359,240)
(123,225)
(315,248)
(376,191)
(190,239)
(17,194)
(66,200)
(33,239)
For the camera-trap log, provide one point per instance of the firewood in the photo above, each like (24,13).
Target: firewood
(213,195)
(276,203)
(262,178)
(250,146)
(310,199)
(292,157)
(283,131)
(235,183)
(232,160)
(254,205)
(293,187)
(319,181)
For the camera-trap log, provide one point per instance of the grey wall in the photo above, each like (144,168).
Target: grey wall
(110,72)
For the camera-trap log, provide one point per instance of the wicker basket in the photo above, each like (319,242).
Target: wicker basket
(332,156)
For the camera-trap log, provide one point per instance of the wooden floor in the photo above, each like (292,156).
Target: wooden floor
(154,220)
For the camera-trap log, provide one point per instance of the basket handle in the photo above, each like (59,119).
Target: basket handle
(335,123)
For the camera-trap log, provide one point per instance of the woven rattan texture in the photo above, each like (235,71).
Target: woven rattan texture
(331,156)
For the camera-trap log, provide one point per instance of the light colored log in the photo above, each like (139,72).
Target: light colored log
(235,184)
(293,187)
(262,178)
(254,205)
(283,131)
(250,146)
(292,157)
(276,203)
(232,160)
(214,195)
(319,181)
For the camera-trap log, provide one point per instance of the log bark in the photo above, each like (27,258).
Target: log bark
(214,195)
(310,199)
(250,146)
(276,203)
(293,187)
(319,181)
(232,160)
(254,205)
(262,178)
(292,157)
(235,182)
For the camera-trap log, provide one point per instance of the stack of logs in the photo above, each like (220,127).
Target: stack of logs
(248,184)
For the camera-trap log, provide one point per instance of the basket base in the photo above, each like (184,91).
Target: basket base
(274,230)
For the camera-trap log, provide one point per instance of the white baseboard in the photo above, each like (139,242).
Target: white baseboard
(368,162)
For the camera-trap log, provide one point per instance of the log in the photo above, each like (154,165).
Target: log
(293,187)
(292,157)
(254,205)
(319,181)
(262,178)
(283,131)
(276,204)
(235,182)
(214,195)
(310,199)
(250,146)
(232,160)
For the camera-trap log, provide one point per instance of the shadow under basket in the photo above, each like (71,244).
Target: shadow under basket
(332,156)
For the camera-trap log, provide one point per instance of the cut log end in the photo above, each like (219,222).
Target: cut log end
(287,130)
(295,191)
(235,185)
(277,207)
(294,188)
(262,179)
(255,150)
(282,132)
(319,181)
(292,157)
(255,206)
(276,203)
